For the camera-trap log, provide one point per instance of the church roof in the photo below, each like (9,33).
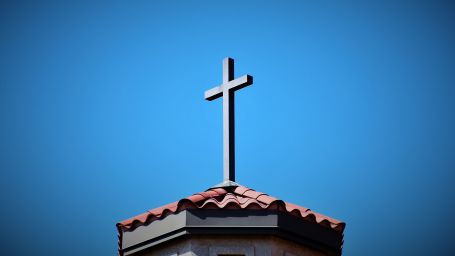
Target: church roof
(233,197)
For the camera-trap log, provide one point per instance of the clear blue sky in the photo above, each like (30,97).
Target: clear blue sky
(351,114)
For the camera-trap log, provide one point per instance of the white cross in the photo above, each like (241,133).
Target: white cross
(226,90)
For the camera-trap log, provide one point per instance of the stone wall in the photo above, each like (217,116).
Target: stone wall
(231,245)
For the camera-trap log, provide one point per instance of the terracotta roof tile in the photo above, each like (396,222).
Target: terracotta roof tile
(196,198)
(266,199)
(252,194)
(241,190)
(231,198)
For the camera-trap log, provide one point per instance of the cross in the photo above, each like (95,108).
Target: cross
(226,90)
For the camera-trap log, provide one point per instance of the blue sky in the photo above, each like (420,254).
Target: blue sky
(351,114)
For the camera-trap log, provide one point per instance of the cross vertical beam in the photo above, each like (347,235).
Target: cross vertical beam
(226,90)
(228,122)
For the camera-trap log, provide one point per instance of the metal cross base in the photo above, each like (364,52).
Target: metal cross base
(226,90)
(226,183)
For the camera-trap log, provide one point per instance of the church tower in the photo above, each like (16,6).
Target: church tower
(230,219)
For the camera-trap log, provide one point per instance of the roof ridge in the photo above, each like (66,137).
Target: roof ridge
(231,197)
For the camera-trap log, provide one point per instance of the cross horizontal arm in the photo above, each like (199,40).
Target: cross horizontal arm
(234,85)
(214,93)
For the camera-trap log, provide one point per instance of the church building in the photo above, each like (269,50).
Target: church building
(230,219)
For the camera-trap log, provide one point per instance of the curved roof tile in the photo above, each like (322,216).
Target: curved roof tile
(239,197)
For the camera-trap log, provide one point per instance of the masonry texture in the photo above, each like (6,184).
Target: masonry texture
(231,245)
